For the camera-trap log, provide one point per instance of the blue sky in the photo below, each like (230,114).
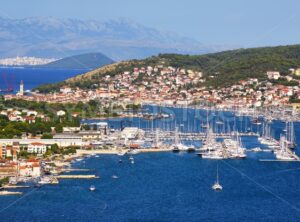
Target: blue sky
(244,23)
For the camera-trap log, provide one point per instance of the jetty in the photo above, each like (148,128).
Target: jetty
(277,160)
(15,187)
(77,170)
(168,135)
(4,193)
(77,177)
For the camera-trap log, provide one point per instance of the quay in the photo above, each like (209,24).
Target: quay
(77,177)
(78,170)
(4,193)
(276,160)
(167,135)
(15,187)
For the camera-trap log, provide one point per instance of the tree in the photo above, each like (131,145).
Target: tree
(47,136)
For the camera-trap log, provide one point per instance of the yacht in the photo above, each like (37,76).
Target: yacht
(178,146)
(284,153)
(134,151)
(211,149)
(217,186)
(234,148)
(256,149)
(48,180)
(191,149)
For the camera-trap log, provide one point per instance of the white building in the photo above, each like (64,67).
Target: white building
(273,75)
(65,90)
(60,113)
(30,168)
(37,147)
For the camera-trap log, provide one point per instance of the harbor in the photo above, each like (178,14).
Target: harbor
(121,157)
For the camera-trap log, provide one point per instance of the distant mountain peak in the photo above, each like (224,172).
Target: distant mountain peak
(119,38)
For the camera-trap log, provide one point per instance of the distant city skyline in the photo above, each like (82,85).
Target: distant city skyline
(232,22)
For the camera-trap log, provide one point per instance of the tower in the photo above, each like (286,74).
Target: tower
(21,88)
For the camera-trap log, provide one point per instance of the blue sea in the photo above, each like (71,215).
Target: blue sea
(33,77)
(168,186)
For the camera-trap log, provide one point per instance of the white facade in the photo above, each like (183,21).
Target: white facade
(37,148)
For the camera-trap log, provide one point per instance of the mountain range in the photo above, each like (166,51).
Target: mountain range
(120,39)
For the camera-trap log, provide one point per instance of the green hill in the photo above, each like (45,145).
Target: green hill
(83,61)
(227,67)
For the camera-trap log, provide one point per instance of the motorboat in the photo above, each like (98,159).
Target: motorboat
(92,188)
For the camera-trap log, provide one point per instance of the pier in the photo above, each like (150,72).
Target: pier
(4,193)
(77,177)
(168,135)
(15,187)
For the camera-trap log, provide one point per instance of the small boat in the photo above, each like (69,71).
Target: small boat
(131,158)
(191,149)
(121,153)
(120,160)
(175,149)
(92,188)
(114,177)
(217,186)
(256,149)
(132,162)
(48,180)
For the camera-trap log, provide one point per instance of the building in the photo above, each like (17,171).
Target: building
(273,75)
(60,113)
(71,129)
(65,90)
(37,147)
(21,88)
(30,168)
(297,72)
(61,142)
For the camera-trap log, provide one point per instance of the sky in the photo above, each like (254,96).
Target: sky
(245,23)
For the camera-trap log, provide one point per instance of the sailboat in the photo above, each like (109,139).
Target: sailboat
(290,134)
(217,186)
(178,146)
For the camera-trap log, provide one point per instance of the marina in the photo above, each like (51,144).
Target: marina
(131,164)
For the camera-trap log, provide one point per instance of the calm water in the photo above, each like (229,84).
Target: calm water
(168,186)
(33,77)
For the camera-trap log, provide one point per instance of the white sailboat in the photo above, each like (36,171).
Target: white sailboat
(217,186)
(284,153)
(178,146)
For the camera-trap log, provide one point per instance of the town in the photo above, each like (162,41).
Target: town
(175,86)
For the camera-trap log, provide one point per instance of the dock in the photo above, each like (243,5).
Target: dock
(15,187)
(77,177)
(275,160)
(5,193)
(77,170)
(168,135)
